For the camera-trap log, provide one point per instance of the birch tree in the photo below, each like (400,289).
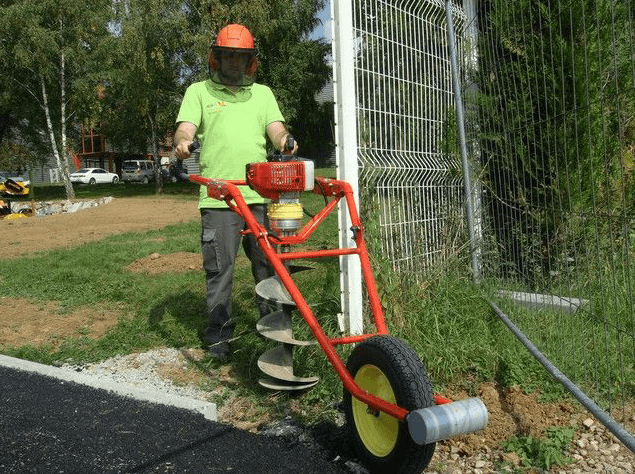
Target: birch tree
(46,46)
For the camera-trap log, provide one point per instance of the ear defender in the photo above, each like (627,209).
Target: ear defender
(212,60)
(252,67)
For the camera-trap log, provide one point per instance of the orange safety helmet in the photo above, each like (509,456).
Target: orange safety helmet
(237,38)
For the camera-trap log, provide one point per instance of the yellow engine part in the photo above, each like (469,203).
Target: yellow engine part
(284,211)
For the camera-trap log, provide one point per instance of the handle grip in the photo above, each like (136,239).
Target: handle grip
(290,143)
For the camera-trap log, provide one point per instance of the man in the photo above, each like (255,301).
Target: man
(231,117)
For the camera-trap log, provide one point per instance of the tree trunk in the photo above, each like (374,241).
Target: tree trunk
(70,193)
(157,158)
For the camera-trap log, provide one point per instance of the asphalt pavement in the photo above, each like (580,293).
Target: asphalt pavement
(54,422)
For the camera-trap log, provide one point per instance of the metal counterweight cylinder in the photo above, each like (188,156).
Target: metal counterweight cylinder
(439,422)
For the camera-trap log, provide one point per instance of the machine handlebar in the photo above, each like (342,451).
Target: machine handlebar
(285,153)
(288,146)
(192,147)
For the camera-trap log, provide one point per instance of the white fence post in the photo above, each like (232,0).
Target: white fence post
(346,155)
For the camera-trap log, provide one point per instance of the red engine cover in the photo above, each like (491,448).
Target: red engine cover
(274,178)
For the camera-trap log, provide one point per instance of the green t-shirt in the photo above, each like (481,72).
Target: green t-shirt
(231,131)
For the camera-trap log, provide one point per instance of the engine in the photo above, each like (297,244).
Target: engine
(282,182)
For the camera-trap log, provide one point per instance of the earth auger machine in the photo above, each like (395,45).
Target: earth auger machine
(393,416)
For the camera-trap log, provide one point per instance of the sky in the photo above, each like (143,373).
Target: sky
(324,30)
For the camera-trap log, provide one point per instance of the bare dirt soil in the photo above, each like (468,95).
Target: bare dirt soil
(25,236)
(511,411)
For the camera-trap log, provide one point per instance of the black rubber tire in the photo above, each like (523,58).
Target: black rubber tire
(412,388)
(92,181)
(115,179)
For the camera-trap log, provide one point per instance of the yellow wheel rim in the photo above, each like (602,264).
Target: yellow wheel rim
(378,431)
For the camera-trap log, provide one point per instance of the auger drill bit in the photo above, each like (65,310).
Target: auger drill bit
(274,291)
(278,326)
(277,363)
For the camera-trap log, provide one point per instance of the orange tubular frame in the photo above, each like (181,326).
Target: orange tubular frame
(228,191)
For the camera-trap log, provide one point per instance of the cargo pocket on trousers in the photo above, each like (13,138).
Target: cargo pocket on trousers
(211,254)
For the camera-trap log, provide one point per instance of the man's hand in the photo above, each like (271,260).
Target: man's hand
(278,135)
(283,145)
(183,137)
(182,150)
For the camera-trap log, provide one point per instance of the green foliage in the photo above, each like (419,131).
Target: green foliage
(542,452)
(127,68)
(574,344)
(141,71)
(446,317)
(448,321)
(14,157)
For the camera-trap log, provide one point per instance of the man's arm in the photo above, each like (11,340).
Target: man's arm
(183,136)
(277,133)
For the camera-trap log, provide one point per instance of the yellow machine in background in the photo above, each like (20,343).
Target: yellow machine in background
(14,186)
(6,213)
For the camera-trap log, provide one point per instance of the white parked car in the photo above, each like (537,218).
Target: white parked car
(94,176)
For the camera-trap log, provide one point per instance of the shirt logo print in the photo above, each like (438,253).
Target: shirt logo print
(217,106)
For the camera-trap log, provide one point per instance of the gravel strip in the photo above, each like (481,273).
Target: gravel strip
(141,371)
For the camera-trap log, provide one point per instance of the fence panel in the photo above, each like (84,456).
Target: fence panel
(553,120)
(404,102)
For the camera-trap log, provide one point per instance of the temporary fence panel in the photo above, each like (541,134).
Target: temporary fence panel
(552,116)
(549,101)
(393,95)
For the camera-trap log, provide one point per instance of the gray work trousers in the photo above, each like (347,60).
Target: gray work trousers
(220,240)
